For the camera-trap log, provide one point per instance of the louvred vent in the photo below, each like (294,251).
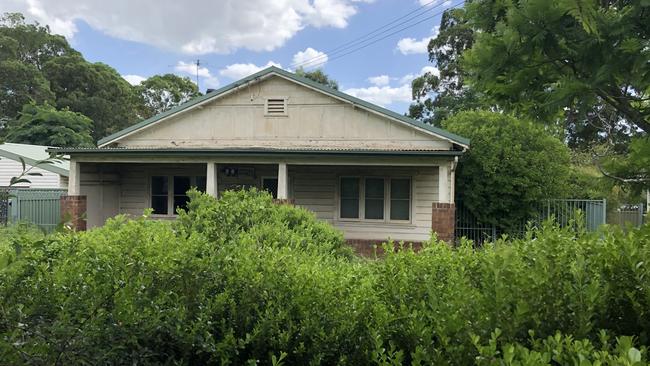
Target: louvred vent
(276,107)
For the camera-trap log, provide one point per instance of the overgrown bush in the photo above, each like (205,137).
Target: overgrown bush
(244,281)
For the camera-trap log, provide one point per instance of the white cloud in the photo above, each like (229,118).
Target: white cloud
(409,46)
(189,68)
(238,71)
(380,80)
(309,58)
(202,26)
(384,95)
(134,79)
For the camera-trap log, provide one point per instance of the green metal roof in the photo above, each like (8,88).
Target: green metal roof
(32,154)
(203,152)
(275,70)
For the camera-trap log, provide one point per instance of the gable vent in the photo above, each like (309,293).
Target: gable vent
(276,106)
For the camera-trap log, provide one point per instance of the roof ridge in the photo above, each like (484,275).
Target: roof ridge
(300,79)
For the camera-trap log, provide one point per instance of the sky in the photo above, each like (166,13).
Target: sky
(235,38)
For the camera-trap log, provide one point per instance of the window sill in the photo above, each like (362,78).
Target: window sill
(361,223)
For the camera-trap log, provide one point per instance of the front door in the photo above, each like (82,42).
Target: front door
(270,185)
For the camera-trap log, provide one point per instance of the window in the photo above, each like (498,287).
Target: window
(400,198)
(349,198)
(164,203)
(275,106)
(159,194)
(374,209)
(369,198)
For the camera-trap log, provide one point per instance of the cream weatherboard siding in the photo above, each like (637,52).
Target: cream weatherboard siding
(11,168)
(316,188)
(313,120)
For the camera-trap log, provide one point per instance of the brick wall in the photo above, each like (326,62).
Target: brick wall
(73,211)
(443,220)
(289,201)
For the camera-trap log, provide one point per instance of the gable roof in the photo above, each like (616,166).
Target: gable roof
(272,70)
(31,154)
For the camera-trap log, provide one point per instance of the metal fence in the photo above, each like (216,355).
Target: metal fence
(627,215)
(41,207)
(589,214)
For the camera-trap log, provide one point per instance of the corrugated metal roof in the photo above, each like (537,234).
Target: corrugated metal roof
(256,150)
(31,154)
(275,70)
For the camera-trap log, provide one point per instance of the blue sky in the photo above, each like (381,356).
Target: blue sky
(233,38)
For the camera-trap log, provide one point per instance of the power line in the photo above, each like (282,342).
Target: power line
(377,32)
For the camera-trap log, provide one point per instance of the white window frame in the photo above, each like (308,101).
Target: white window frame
(362,199)
(171,212)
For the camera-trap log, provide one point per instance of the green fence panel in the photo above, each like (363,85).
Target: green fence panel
(41,207)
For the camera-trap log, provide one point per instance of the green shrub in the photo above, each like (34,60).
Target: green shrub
(244,281)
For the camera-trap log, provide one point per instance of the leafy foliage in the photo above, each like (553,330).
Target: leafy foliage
(437,97)
(217,287)
(160,93)
(44,125)
(540,57)
(512,165)
(633,168)
(20,84)
(95,90)
(318,76)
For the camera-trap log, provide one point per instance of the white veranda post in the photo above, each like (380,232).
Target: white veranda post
(211,186)
(283,182)
(443,184)
(74,179)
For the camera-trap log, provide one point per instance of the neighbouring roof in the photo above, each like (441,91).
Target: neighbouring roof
(301,80)
(253,151)
(32,154)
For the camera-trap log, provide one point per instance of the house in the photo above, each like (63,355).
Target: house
(53,175)
(371,172)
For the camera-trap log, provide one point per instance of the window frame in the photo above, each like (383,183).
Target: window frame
(387,200)
(171,210)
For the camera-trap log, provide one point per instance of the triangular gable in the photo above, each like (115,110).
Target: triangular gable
(210,98)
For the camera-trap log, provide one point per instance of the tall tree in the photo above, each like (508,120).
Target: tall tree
(44,125)
(542,57)
(318,76)
(95,90)
(160,93)
(20,84)
(34,44)
(438,96)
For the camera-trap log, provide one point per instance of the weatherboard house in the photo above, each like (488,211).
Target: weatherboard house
(372,173)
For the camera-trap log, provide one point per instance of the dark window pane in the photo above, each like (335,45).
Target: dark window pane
(400,188)
(399,209)
(350,188)
(349,208)
(375,188)
(181,185)
(159,204)
(180,201)
(374,209)
(200,183)
(271,185)
(159,185)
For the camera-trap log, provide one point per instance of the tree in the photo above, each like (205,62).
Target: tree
(160,93)
(34,44)
(44,125)
(318,76)
(543,57)
(632,169)
(438,97)
(20,84)
(94,89)
(512,166)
